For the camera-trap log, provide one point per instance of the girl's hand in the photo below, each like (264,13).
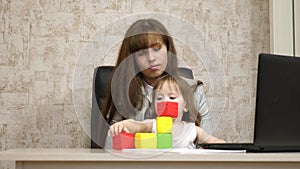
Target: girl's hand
(117,128)
(130,126)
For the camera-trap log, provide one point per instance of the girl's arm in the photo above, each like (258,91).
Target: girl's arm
(131,126)
(203,137)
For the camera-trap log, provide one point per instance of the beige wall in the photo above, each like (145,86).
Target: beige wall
(297,27)
(41,44)
(284,27)
(281,24)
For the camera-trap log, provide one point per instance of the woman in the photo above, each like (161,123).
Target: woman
(147,53)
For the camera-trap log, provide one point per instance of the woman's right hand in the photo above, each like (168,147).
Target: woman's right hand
(118,127)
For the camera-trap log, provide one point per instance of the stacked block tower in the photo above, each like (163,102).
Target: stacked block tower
(162,139)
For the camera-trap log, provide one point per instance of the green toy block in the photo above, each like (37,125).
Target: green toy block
(145,140)
(164,141)
(164,124)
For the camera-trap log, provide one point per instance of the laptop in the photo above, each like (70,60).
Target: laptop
(277,113)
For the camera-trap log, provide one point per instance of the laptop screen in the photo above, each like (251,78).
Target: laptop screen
(277,118)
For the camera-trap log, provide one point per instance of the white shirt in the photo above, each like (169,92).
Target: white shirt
(149,90)
(183,134)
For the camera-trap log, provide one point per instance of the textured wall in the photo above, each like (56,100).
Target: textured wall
(41,46)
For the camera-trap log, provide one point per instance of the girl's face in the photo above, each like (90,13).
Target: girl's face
(152,62)
(170,92)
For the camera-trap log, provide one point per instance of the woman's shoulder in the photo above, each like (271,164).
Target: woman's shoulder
(197,87)
(193,82)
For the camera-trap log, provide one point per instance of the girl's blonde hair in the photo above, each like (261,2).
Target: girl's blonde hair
(180,86)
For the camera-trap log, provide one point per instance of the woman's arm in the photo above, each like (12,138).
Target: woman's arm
(201,104)
(203,137)
(131,126)
(203,108)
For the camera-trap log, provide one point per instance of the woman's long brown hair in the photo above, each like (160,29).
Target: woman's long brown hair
(127,82)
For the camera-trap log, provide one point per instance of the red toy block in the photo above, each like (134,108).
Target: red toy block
(169,109)
(123,141)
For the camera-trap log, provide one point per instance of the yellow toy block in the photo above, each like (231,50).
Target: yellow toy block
(145,140)
(164,124)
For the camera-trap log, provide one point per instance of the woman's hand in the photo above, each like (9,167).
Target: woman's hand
(204,137)
(213,139)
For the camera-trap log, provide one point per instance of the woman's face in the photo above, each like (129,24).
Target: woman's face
(170,93)
(152,62)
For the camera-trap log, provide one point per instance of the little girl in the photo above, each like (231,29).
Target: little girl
(186,131)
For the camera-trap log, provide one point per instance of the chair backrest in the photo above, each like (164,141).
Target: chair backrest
(102,76)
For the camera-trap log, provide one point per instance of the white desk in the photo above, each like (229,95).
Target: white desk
(87,158)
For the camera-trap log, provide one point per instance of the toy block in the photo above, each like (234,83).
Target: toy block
(164,125)
(164,141)
(145,140)
(167,109)
(123,141)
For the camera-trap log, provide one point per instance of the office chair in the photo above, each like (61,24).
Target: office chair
(102,76)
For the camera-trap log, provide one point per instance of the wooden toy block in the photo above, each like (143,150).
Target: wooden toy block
(145,140)
(167,109)
(164,125)
(123,141)
(164,141)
